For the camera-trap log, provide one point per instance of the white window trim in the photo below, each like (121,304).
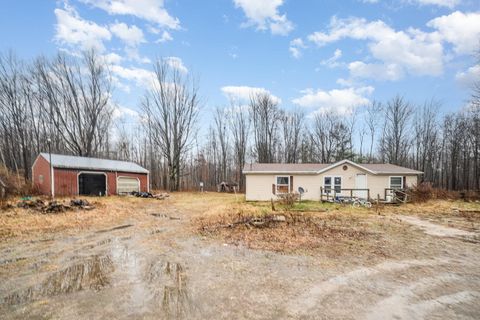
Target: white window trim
(390,181)
(276,184)
(332,185)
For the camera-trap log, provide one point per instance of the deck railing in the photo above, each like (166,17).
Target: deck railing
(327,196)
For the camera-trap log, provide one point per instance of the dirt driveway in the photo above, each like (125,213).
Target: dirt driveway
(151,265)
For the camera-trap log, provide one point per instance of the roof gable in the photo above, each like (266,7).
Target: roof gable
(76,162)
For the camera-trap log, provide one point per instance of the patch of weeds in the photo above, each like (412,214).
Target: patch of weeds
(289,231)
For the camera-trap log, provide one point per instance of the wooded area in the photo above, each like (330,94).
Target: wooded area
(67,102)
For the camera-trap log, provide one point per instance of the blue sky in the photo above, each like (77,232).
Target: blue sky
(319,56)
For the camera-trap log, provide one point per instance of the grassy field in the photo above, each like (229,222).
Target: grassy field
(310,223)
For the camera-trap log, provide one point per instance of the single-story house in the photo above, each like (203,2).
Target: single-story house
(344,178)
(73,175)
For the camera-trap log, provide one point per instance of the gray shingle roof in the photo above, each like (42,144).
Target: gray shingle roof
(285,167)
(387,168)
(75,162)
(314,168)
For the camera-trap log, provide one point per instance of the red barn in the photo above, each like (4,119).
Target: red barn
(74,175)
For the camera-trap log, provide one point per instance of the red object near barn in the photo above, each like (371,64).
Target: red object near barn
(73,175)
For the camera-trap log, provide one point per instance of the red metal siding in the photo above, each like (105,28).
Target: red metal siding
(41,167)
(66,180)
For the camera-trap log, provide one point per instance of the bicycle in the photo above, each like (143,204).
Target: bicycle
(357,203)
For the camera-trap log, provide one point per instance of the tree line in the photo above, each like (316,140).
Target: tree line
(65,104)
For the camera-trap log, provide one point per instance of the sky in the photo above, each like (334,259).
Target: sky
(312,55)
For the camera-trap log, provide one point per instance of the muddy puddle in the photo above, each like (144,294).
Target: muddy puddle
(118,275)
(90,274)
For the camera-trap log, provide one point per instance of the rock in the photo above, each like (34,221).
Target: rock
(279,218)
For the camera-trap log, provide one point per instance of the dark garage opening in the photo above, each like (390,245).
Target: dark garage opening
(91,184)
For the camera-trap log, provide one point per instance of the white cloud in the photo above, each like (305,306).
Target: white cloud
(71,29)
(332,62)
(414,51)
(244,93)
(133,54)
(469,76)
(341,101)
(166,36)
(345,82)
(264,15)
(132,36)
(177,63)
(141,77)
(121,112)
(441,3)
(150,10)
(411,51)
(359,69)
(112,58)
(460,29)
(296,46)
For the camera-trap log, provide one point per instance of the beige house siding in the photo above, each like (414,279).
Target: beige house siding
(259,186)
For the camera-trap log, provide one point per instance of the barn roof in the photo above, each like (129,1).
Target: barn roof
(86,163)
(316,168)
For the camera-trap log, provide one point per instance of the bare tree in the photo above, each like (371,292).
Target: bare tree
(425,139)
(372,120)
(172,105)
(292,127)
(265,114)
(240,132)
(474,127)
(15,97)
(395,141)
(331,136)
(221,120)
(78,96)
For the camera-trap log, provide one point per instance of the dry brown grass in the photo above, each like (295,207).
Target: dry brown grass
(456,214)
(109,211)
(310,226)
(337,232)
(18,222)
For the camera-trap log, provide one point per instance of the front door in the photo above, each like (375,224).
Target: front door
(361,183)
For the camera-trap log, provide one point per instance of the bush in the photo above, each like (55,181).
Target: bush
(421,192)
(425,191)
(16,185)
(288,199)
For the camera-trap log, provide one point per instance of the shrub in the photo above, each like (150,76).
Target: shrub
(16,184)
(421,192)
(425,191)
(288,199)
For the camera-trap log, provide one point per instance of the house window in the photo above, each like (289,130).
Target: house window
(40,179)
(338,184)
(327,184)
(332,182)
(283,184)
(396,183)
